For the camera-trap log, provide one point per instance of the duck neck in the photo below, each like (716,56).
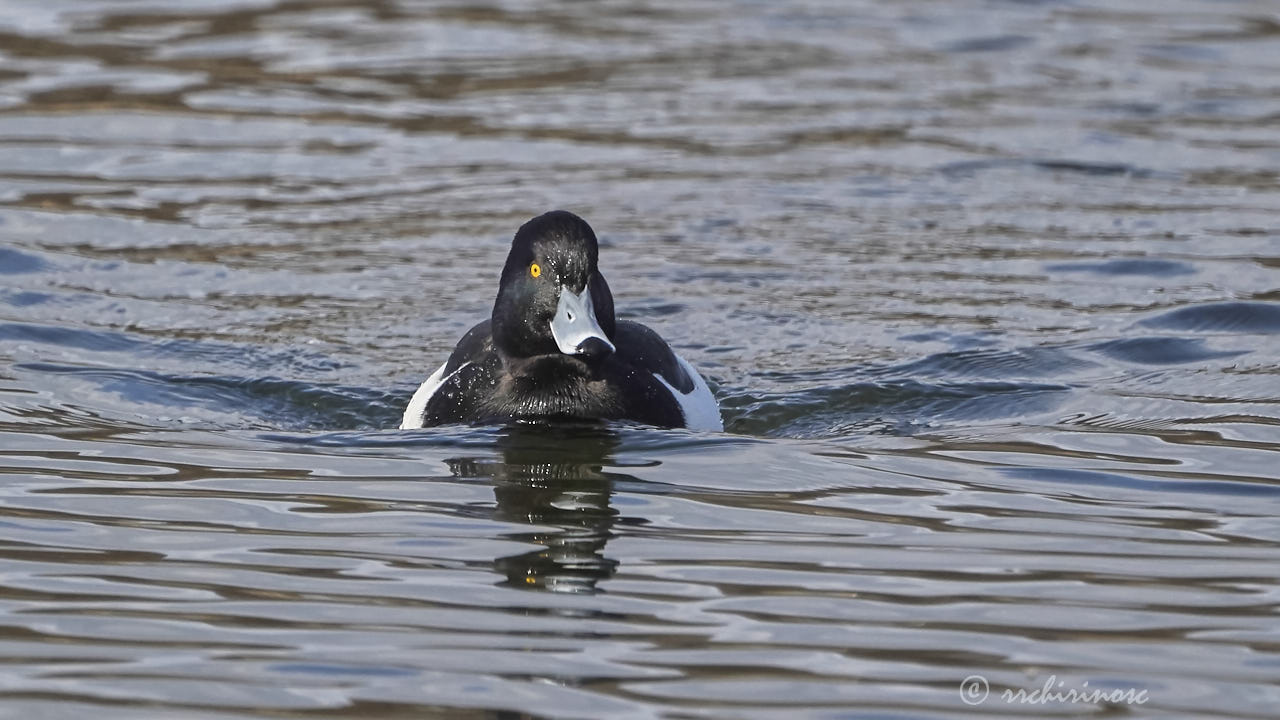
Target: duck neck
(547,370)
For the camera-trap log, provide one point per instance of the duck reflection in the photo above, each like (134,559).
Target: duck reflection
(553,477)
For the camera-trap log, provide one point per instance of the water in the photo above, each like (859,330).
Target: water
(987,291)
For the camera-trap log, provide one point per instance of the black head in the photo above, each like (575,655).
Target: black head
(552,298)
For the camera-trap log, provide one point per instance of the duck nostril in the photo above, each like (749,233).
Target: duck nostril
(570,316)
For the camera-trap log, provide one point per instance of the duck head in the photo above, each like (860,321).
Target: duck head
(552,297)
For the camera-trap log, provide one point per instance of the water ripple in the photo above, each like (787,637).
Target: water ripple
(987,293)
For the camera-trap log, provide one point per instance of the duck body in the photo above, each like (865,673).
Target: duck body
(552,349)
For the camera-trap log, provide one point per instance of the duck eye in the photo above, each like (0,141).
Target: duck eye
(535,269)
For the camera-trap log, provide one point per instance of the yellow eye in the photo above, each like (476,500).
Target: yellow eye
(535,269)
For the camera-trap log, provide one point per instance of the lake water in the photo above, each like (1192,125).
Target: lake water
(988,293)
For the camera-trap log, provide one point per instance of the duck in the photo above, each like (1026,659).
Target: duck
(552,349)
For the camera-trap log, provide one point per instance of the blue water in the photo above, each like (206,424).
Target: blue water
(987,293)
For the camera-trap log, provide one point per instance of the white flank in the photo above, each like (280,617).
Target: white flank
(699,407)
(412,419)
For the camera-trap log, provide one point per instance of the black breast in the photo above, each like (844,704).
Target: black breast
(551,387)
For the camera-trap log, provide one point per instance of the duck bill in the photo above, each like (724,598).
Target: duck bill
(575,328)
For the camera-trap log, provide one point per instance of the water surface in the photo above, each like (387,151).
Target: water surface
(987,292)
